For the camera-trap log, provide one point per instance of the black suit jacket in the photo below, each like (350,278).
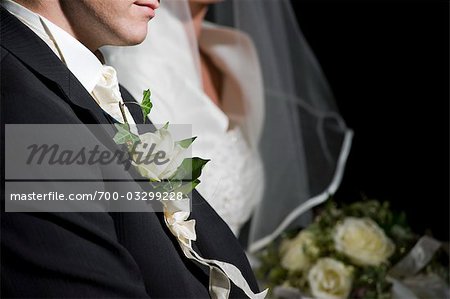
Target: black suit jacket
(90,254)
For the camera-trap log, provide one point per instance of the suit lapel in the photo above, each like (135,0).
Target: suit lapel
(24,44)
(134,109)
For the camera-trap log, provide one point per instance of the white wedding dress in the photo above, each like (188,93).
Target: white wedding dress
(233,181)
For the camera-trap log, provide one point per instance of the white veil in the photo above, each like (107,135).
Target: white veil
(304,142)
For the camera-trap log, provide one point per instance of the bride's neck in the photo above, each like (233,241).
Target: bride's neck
(198,12)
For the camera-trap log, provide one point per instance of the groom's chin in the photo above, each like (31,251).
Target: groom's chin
(128,31)
(132,37)
(136,40)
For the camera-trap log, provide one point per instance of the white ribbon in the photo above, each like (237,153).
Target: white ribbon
(407,280)
(220,273)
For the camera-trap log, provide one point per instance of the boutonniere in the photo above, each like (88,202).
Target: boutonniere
(169,170)
(158,157)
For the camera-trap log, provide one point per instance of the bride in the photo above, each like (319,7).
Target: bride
(256,98)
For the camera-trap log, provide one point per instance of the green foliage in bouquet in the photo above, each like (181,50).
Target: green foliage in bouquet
(346,252)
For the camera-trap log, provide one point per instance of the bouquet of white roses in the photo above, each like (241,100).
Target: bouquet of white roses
(349,252)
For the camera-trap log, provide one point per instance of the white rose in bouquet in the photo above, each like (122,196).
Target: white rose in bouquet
(363,241)
(330,279)
(296,253)
(157,156)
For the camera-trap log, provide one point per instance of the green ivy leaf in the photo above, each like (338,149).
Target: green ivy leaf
(189,170)
(187,188)
(175,186)
(124,136)
(146,104)
(186,142)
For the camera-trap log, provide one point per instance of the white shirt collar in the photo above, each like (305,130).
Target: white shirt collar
(21,12)
(83,64)
(80,60)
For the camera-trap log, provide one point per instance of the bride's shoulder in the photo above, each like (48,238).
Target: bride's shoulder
(225,33)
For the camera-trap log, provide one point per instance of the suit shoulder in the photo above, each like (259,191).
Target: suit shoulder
(28,98)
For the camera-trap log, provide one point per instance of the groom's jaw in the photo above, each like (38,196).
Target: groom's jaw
(110,22)
(96,23)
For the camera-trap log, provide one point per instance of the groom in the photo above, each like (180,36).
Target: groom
(50,75)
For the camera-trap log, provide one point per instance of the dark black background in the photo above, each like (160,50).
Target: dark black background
(387,62)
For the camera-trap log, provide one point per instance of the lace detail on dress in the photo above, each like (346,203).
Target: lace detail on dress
(233,181)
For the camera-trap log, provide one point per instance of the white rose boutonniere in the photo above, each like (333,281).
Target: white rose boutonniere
(363,241)
(330,279)
(157,156)
(296,254)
